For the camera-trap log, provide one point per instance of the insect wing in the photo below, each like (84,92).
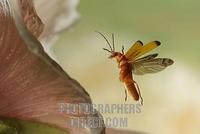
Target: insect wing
(147,58)
(143,50)
(150,66)
(135,47)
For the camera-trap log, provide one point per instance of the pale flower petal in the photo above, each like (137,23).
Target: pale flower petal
(32,84)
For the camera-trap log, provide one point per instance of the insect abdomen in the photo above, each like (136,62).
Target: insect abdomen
(131,87)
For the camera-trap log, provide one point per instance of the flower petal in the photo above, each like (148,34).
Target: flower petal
(32,84)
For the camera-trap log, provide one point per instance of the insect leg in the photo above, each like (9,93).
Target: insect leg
(125,95)
(142,101)
(113,39)
(123,49)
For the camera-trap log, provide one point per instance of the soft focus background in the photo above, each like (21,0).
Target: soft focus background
(171,97)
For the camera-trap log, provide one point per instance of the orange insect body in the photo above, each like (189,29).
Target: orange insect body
(131,63)
(125,74)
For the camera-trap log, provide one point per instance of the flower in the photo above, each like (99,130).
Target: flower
(32,84)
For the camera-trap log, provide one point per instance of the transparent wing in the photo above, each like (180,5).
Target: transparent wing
(142,67)
(132,54)
(147,58)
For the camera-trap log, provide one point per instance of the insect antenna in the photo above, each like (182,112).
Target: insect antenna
(107,50)
(106,41)
(113,41)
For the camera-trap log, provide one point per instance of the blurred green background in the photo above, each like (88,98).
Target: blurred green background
(171,97)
